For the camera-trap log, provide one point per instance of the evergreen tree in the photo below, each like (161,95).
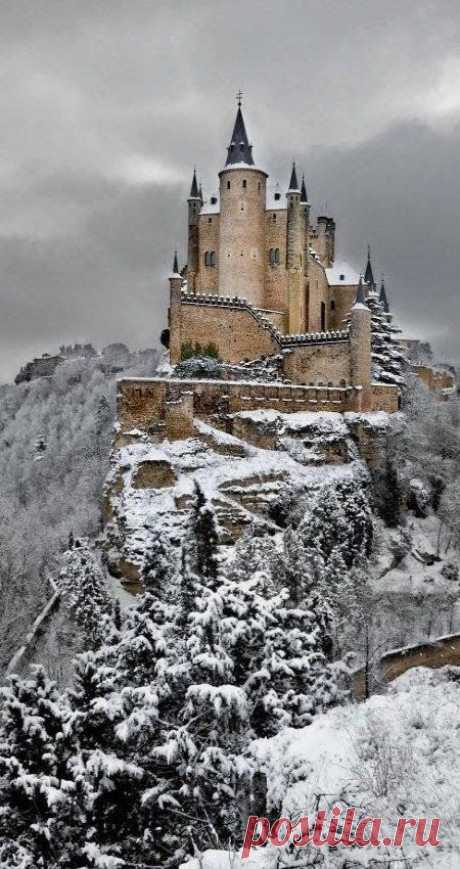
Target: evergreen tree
(85,592)
(204,538)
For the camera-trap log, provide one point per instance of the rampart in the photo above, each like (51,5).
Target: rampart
(166,407)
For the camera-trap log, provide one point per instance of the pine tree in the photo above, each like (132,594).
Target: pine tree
(85,592)
(36,785)
(204,538)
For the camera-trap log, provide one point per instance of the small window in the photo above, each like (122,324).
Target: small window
(245,183)
(274,218)
(206,258)
(258,187)
(213,200)
(277,197)
(342,277)
(212,258)
(228,185)
(332,305)
(209,219)
(277,256)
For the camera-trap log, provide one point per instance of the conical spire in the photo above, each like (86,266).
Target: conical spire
(239,150)
(175,268)
(293,184)
(200,194)
(383,299)
(303,191)
(194,192)
(369,274)
(360,295)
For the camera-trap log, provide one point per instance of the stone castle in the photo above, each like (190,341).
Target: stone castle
(261,280)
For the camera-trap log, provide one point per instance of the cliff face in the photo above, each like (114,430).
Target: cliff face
(270,457)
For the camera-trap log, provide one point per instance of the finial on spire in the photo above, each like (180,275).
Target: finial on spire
(383,298)
(194,193)
(293,184)
(303,190)
(239,98)
(360,295)
(369,274)
(239,150)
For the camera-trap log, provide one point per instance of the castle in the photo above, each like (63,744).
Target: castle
(261,281)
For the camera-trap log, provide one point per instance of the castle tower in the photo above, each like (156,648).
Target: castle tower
(360,340)
(175,289)
(194,205)
(295,249)
(242,220)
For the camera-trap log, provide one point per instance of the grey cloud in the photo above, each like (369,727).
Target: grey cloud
(349,89)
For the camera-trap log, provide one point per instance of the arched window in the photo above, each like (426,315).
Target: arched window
(245,183)
(228,185)
(277,256)
(210,258)
(332,305)
(274,218)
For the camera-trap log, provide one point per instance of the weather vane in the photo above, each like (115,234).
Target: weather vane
(239,98)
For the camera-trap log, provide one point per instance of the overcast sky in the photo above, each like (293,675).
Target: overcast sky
(106,106)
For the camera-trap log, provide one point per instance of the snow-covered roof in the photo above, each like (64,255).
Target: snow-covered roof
(211,207)
(342,273)
(275,204)
(244,166)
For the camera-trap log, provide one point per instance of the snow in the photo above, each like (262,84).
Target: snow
(340,268)
(275,204)
(211,207)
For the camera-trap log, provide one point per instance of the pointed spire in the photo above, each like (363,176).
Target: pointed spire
(294,184)
(200,194)
(239,150)
(194,193)
(360,295)
(369,274)
(383,298)
(175,268)
(303,191)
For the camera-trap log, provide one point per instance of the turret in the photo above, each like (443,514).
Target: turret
(295,248)
(175,298)
(360,340)
(194,207)
(241,258)
(326,240)
(306,210)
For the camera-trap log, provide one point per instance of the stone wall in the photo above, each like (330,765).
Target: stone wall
(146,404)
(236,331)
(276,279)
(435,379)
(325,364)
(208,276)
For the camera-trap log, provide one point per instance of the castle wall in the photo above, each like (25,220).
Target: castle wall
(208,276)
(276,279)
(236,333)
(319,364)
(278,318)
(343,297)
(242,234)
(145,403)
(318,292)
(436,379)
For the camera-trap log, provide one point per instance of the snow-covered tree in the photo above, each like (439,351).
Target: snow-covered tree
(84,591)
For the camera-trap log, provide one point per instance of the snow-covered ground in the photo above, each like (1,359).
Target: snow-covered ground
(396,755)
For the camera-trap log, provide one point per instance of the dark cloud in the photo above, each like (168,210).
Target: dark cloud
(107,105)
